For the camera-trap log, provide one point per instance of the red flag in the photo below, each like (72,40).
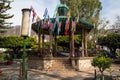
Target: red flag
(45,23)
(48,21)
(67,27)
(34,13)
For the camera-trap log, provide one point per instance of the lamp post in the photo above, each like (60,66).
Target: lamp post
(25,32)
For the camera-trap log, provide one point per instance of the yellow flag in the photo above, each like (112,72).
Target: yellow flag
(78,17)
(68,14)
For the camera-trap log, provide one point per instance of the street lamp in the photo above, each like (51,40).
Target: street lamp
(25,32)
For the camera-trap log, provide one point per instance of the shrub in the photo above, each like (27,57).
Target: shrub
(102,63)
(4,57)
(118,54)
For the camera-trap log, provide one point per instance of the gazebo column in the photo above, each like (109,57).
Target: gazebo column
(50,32)
(86,53)
(72,44)
(55,44)
(43,36)
(83,42)
(39,40)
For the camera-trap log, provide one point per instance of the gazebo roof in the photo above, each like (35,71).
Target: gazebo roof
(82,24)
(63,15)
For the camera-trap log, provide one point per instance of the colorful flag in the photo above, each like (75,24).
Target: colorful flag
(59,28)
(31,8)
(67,27)
(69,15)
(56,22)
(57,17)
(78,17)
(34,14)
(37,19)
(50,28)
(45,13)
(67,23)
(54,25)
(48,21)
(45,24)
(39,23)
(73,26)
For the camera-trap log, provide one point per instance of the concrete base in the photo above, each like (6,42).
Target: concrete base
(82,64)
(41,64)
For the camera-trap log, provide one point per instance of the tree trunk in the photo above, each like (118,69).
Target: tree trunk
(15,52)
(102,75)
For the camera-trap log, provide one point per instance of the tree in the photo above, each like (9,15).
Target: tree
(63,41)
(99,31)
(16,43)
(112,41)
(4,7)
(89,9)
(117,23)
(102,63)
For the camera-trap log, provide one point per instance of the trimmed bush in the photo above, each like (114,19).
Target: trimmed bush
(102,63)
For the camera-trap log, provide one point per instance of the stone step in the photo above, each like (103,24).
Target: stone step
(61,64)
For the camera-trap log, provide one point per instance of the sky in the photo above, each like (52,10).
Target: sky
(38,5)
(111,9)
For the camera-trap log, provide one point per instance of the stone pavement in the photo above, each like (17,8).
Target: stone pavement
(11,72)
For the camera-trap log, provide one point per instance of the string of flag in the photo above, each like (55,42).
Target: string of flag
(55,26)
(46,21)
(35,18)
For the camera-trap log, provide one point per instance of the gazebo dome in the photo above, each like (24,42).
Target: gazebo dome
(62,10)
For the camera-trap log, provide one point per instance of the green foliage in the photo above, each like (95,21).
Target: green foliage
(3,31)
(46,45)
(4,6)
(102,63)
(60,48)
(4,57)
(64,41)
(90,9)
(16,43)
(112,41)
(78,41)
(118,54)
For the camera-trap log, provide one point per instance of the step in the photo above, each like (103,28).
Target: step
(58,63)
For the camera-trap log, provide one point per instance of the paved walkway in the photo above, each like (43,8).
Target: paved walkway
(12,71)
